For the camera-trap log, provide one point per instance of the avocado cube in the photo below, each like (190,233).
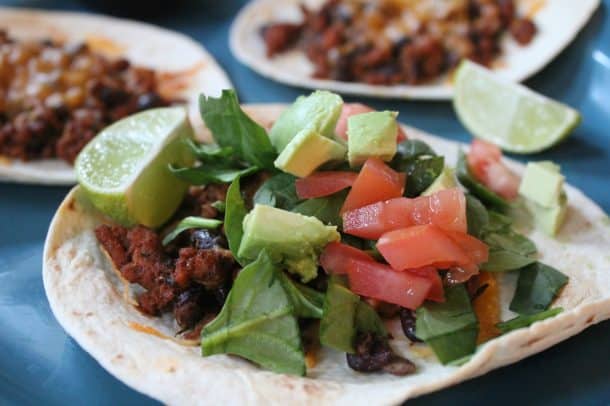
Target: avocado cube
(549,219)
(293,240)
(446,180)
(371,135)
(307,151)
(542,183)
(320,111)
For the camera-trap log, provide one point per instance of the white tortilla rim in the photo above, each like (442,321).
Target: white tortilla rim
(144,44)
(72,276)
(558,21)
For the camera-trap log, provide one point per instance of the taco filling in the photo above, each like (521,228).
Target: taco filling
(294,238)
(55,97)
(392,42)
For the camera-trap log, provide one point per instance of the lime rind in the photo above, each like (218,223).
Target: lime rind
(509,114)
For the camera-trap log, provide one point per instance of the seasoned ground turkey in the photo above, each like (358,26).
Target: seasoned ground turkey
(54,98)
(389,42)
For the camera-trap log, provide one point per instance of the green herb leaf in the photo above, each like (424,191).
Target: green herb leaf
(337,327)
(421,173)
(307,302)
(476,188)
(537,287)
(235,211)
(476,215)
(204,174)
(257,322)
(278,191)
(450,328)
(367,320)
(188,223)
(209,152)
(219,205)
(325,209)
(512,241)
(233,128)
(527,320)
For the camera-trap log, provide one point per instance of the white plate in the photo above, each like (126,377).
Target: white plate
(558,22)
(143,44)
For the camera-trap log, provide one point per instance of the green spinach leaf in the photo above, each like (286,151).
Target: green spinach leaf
(307,302)
(476,188)
(204,174)
(231,127)
(501,260)
(278,191)
(337,327)
(450,328)
(537,287)
(421,173)
(257,322)
(325,209)
(367,320)
(190,222)
(476,216)
(527,320)
(409,150)
(235,211)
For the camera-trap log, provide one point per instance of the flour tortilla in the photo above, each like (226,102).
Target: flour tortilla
(87,300)
(143,44)
(558,22)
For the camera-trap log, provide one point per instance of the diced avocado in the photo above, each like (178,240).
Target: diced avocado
(446,180)
(320,111)
(371,135)
(293,240)
(549,219)
(542,183)
(307,151)
(337,326)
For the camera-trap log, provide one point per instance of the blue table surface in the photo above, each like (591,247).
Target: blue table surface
(40,364)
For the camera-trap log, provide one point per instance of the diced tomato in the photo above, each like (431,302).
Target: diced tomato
(445,209)
(375,182)
(477,250)
(350,109)
(461,274)
(419,246)
(485,163)
(322,184)
(336,257)
(379,281)
(437,293)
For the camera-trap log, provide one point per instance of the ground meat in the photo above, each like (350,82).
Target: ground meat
(523,30)
(371,42)
(373,353)
(210,268)
(191,277)
(54,98)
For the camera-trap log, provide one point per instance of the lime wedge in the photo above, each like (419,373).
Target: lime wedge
(509,114)
(124,169)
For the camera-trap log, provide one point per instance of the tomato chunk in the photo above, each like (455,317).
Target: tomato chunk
(375,182)
(437,293)
(445,209)
(477,250)
(485,163)
(419,246)
(350,109)
(379,281)
(336,257)
(322,184)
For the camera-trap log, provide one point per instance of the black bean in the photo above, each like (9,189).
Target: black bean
(373,353)
(205,240)
(149,100)
(407,321)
